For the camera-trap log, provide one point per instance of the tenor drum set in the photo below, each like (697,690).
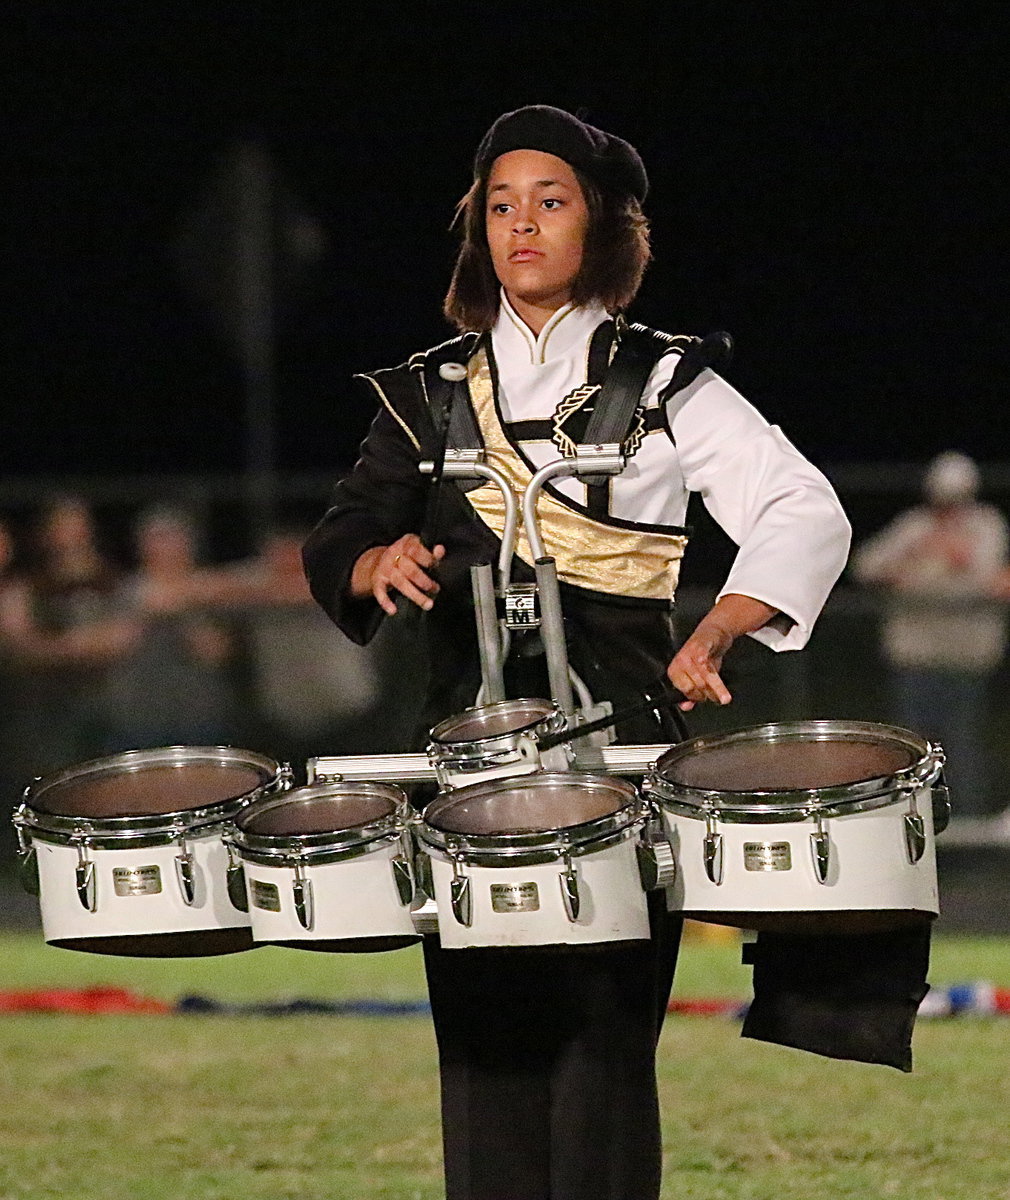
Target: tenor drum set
(538,834)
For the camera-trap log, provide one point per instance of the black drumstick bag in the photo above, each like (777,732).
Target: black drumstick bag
(851,996)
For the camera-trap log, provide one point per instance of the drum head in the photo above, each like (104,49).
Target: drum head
(143,783)
(493,720)
(316,809)
(527,804)
(786,757)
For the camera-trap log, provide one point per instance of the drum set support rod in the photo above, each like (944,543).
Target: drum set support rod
(470,464)
(489,635)
(588,460)
(492,637)
(552,633)
(592,461)
(417,768)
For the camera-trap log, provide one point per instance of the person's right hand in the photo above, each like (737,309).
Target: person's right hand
(403,567)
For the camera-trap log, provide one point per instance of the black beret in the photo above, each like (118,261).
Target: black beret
(610,162)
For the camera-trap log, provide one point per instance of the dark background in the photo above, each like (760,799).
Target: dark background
(825,186)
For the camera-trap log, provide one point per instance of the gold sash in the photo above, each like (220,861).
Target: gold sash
(589,553)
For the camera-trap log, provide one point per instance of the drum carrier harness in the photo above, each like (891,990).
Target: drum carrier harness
(621,360)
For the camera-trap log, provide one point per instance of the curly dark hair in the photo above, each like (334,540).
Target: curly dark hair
(616,254)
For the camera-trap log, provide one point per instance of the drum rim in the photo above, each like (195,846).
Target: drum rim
(832,800)
(533,847)
(551,721)
(151,828)
(271,849)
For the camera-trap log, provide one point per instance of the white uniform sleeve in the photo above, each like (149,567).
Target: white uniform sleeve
(784,516)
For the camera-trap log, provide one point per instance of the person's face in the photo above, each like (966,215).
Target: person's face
(536,220)
(166,546)
(68,527)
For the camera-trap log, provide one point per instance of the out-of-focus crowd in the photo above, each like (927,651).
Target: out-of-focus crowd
(940,569)
(154,646)
(99,656)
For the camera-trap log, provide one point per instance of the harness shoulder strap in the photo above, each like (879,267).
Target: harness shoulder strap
(449,399)
(638,351)
(712,351)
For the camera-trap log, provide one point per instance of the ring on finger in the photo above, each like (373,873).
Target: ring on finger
(397,559)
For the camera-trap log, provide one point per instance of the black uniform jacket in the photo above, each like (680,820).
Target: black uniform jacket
(846,996)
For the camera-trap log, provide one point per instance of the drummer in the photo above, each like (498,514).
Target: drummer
(548,1061)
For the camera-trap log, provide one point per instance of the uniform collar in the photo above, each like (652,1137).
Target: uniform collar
(570,326)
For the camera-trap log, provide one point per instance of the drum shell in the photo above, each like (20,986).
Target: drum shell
(871,883)
(138,921)
(355,903)
(612,902)
(125,867)
(837,857)
(515,878)
(495,741)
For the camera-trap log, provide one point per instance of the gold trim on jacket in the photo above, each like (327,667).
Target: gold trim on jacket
(592,554)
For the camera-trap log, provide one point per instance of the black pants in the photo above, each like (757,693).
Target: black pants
(547,1066)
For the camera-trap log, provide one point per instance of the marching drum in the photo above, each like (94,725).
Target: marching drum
(550,859)
(126,852)
(493,741)
(804,827)
(328,867)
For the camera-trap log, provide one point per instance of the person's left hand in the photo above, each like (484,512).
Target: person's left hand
(695,668)
(696,665)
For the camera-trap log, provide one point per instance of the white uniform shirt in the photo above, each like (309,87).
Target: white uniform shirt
(782,513)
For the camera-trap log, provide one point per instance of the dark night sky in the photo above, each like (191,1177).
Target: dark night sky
(824,186)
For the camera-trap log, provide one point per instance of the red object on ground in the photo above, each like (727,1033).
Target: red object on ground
(706,1008)
(80,1000)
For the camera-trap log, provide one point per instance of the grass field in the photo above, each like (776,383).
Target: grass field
(312,1107)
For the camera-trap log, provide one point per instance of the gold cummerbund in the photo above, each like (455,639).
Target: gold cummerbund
(618,560)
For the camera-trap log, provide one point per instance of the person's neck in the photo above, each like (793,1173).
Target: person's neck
(536,313)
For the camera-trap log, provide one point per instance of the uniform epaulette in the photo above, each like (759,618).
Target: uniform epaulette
(462,346)
(662,343)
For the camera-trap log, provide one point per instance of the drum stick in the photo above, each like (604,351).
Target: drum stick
(454,374)
(663,697)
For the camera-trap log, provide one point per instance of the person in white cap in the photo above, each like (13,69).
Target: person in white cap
(943,632)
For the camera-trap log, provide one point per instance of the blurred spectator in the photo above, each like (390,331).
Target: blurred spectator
(11,592)
(316,693)
(943,633)
(174,687)
(10,604)
(63,627)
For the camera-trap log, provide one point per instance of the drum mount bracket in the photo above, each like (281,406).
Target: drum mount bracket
(657,865)
(460,890)
(301,890)
(185,871)
(915,831)
(713,848)
(570,889)
(238,893)
(84,876)
(820,849)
